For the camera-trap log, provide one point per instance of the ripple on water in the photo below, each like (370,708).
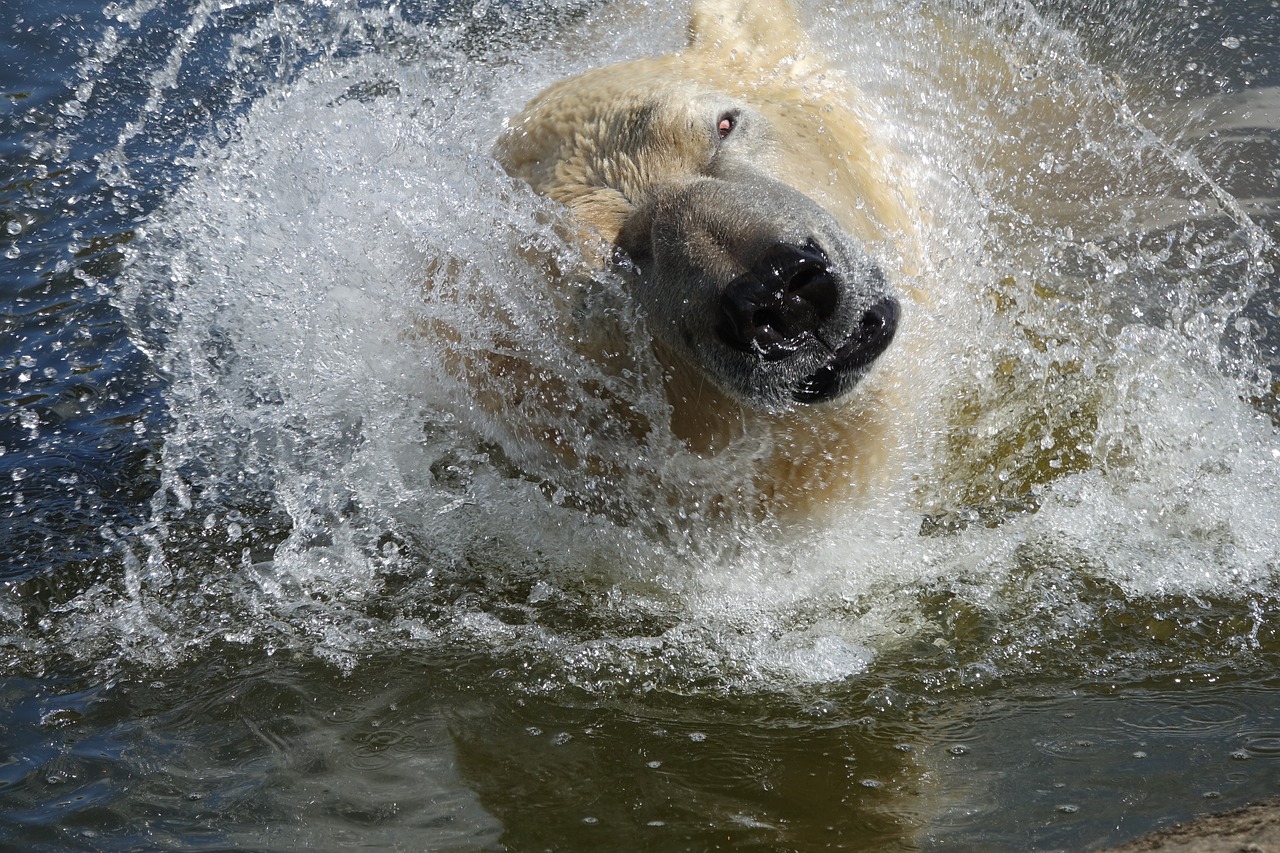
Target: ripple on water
(1262,744)
(1190,716)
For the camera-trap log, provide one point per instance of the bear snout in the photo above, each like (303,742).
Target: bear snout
(786,296)
(759,288)
(795,310)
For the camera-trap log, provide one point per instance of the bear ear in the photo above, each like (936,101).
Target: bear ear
(766,27)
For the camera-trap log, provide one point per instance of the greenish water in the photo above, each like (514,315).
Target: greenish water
(270,583)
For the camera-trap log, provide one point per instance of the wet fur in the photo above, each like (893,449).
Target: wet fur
(632,153)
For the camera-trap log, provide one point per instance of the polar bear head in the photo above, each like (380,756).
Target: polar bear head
(742,180)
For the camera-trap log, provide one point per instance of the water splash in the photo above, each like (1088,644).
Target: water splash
(325,486)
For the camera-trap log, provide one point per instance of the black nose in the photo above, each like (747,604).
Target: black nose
(787,294)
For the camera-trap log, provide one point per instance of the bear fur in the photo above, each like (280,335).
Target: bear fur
(773,237)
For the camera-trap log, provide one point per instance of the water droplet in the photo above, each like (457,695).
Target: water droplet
(1231,42)
(60,718)
(1068,808)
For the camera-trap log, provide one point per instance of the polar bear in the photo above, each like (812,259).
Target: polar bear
(773,235)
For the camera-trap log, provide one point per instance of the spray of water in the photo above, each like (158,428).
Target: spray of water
(327,487)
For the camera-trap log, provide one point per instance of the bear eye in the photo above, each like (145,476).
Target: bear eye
(726,125)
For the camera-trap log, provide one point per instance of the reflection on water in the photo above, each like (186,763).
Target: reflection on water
(260,754)
(274,583)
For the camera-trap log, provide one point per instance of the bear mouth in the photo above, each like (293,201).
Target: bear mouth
(850,360)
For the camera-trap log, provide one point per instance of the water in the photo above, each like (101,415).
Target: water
(272,582)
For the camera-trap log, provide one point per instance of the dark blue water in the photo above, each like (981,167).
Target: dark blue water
(74,385)
(222,627)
